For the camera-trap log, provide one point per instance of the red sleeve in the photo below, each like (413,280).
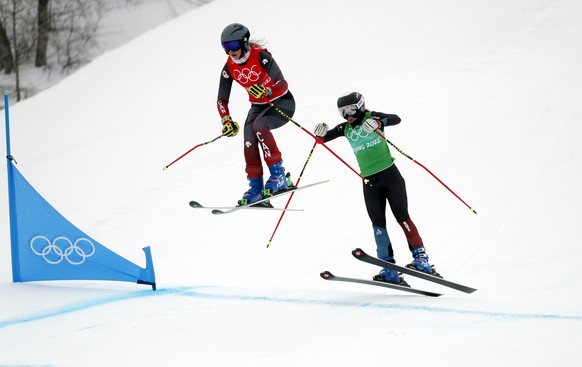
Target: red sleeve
(280,87)
(222,108)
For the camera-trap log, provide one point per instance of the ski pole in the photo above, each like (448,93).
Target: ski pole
(426,169)
(196,146)
(317,141)
(293,193)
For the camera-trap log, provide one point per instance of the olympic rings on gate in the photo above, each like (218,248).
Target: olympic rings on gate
(53,254)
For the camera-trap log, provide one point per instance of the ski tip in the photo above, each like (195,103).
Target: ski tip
(195,204)
(217,211)
(358,252)
(326,275)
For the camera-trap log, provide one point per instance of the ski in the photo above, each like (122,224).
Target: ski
(197,205)
(361,255)
(329,276)
(277,194)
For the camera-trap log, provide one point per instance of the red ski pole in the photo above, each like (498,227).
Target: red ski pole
(318,141)
(426,169)
(196,146)
(291,196)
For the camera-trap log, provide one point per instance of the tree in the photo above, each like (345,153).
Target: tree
(14,11)
(43,24)
(48,34)
(6,59)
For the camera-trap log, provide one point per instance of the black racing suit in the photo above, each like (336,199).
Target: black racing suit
(379,187)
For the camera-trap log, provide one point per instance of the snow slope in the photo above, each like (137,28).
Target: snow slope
(488,93)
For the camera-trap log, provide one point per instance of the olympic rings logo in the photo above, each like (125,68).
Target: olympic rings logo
(246,75)
(62,248)
(357,133)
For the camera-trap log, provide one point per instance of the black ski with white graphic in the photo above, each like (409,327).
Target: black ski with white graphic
(329,276)
(277,194)
(361,255)
(261,206)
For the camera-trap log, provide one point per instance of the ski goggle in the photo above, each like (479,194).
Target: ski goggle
(231,46)
(351,109)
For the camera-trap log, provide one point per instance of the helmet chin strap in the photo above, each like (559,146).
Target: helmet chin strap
(243,58)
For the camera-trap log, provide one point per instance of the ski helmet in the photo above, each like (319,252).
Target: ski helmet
(235,36)
(351,104)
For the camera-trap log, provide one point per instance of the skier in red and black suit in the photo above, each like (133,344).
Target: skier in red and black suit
(253,67)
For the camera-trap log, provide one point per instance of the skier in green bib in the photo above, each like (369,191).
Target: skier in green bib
(383,182)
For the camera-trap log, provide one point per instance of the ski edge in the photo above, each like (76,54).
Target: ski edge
(329,276)
(359,254)
(196,205)
(286,192)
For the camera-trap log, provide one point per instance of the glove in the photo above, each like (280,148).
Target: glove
(259,91)
(371,125)
(320,129)
(229,127)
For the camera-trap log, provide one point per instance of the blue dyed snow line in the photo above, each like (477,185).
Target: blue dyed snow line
(89,304)
(191,292)
(505,315)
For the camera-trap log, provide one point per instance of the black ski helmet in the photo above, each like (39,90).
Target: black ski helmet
(236,32)
(351,104)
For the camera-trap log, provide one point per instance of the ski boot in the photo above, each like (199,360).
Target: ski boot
(277,181)
(253,193)
(420,262)
(390,276)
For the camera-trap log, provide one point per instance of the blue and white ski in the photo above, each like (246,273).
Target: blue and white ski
(256,204)
(261,206)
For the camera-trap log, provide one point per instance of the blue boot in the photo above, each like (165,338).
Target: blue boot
(420,262)
(389,275)
(277,181)
(254,192)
